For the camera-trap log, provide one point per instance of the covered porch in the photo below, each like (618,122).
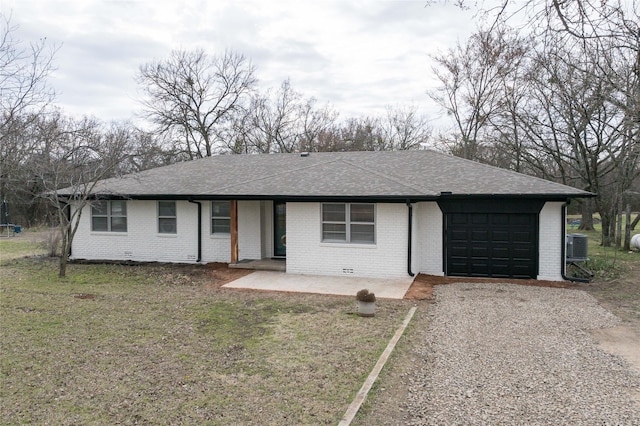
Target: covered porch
(279,264)
(257,235)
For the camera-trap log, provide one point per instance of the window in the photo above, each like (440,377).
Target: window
(348,223)
(167,217)
(109,216)
(220,217)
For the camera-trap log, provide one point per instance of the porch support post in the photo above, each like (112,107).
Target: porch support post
(234,231)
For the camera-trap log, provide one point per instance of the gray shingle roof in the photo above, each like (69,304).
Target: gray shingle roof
(399,174)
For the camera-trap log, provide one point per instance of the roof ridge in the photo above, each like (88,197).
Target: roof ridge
(392,178)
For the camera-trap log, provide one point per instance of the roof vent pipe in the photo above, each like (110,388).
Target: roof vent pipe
(304,154)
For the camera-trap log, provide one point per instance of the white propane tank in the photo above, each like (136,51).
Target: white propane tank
(635,241)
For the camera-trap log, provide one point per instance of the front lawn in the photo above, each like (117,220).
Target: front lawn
(116,344)
(607,263)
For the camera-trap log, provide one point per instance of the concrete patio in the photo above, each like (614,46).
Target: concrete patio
(346,286)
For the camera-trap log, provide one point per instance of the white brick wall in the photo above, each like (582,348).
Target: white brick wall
(428,245)
(141,242)
(306,254)
(249,230)
(215,247)
(551,241)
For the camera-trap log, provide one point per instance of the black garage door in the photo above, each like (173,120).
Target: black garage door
(492,244)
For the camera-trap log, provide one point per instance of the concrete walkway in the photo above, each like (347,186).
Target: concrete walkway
(347,286)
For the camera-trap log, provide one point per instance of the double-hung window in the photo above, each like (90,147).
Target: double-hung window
(109,216)
(167,217)
(220,217)
(348,223)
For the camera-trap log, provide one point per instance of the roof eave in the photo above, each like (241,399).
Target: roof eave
(369,198)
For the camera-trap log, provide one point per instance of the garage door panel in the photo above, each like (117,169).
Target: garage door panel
(459,252)
(480,236)
(500,235)
(459,235)
(492,244)
(500,252)
(521,219)
(480,252)
(498,219)
(459,219)
(459,268)
(500,269)
(522,253)
(480,268)
(478,219)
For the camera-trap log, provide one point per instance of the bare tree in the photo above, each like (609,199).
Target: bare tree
(572,116)
(472,78)
(281,121)
(24,94)
(149,150)
(362,134)
(24,70)
(316,122)
(72,156)
(191,96)
(404,128)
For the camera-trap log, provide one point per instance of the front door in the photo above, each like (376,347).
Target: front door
(280,228)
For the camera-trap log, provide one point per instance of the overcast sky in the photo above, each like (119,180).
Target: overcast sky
(359,56)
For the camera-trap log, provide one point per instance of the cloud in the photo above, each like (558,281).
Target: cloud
(359,55)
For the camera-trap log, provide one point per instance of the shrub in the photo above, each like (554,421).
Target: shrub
(52,243)
(364,296)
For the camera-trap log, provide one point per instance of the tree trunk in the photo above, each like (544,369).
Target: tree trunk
(64,253)
(635,222)
(606,229)
(586,222)
(63,265)
(619,223)
(627,228)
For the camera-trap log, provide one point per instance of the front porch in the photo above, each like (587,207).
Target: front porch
(384,288)
(279,265)
(257,234)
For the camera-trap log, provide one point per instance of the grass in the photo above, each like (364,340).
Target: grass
(617,276)
(11,248)
(161,345)
(607,263)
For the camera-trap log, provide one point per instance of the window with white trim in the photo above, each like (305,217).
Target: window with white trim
(220,217)
(348,223)
(167,217)
(109,216)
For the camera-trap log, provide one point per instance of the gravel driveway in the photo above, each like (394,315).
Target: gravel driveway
(509,354)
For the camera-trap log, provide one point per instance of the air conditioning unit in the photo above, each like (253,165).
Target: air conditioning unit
(577,248)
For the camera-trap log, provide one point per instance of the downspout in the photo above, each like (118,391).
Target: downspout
(409,242)
(564,248)
(199,258)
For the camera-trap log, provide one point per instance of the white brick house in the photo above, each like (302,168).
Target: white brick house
(370,214)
